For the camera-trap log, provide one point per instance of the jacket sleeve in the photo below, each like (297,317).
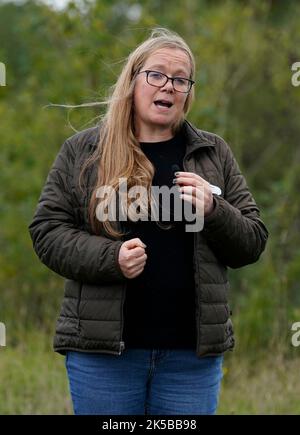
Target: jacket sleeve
(234,230)
(59,243)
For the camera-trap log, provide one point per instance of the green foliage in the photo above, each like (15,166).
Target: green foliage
(244,52)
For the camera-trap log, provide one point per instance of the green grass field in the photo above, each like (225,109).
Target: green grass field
(33,381)
(270,386)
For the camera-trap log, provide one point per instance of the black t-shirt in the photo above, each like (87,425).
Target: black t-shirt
(159,307)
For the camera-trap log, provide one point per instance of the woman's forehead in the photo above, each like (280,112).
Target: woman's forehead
(169,57)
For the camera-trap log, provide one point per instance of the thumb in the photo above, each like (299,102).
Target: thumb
(133,243)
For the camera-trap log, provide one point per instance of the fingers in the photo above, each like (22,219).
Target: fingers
(198,191)
(135,272)
(132,257)
(132,243)
(135,253)
(195,190)
(190,179)
(137,261)
(201,200)
(190,197)
(136,268)
(190,175)
(135,249)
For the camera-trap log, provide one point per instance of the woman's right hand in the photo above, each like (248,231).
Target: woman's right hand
(132,258)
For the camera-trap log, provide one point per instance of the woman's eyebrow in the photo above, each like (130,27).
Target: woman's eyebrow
(160,66)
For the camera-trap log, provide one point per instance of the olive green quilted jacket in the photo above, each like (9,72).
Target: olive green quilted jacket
(91,316)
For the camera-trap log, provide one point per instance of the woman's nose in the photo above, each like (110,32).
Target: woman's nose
(168,86)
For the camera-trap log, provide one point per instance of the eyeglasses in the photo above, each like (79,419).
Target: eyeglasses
(158,79)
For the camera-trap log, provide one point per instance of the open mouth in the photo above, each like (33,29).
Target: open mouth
(163,103)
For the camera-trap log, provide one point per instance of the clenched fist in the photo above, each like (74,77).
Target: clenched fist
(132,258)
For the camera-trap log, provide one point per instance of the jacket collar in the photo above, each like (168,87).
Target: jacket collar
(195,138)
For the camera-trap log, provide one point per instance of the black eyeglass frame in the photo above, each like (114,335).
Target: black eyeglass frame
(147,71)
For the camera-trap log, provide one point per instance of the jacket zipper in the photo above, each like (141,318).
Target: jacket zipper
(197,295)
(77,307)
(195,271)
(122,344)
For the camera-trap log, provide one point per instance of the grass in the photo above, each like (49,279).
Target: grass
(269,386)
(34,381)
(33,378)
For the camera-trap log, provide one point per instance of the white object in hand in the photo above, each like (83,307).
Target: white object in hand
(215,189)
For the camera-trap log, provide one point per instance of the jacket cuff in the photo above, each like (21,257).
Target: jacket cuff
(217,218)
(116,266)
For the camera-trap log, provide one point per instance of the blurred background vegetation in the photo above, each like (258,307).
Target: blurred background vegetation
(72,55)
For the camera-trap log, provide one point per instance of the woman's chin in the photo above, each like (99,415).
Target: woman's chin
(163,120)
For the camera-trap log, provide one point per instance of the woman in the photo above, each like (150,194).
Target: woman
(145,319)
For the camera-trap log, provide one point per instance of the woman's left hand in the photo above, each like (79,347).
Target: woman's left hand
(195,190)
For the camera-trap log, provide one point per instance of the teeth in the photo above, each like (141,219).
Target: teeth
(162,103)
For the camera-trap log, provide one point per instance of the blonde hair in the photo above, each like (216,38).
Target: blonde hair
(118,152)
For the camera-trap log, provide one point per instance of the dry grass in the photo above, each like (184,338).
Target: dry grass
(269,386)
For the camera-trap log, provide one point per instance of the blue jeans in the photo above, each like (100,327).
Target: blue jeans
(144,382)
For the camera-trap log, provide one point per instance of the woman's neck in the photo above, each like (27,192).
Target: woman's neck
(154,135)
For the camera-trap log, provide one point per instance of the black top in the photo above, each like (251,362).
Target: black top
(159,307)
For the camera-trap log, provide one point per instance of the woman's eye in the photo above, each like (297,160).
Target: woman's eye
(155,75)
(180,81)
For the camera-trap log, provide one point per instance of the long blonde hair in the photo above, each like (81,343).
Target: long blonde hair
(118,153)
